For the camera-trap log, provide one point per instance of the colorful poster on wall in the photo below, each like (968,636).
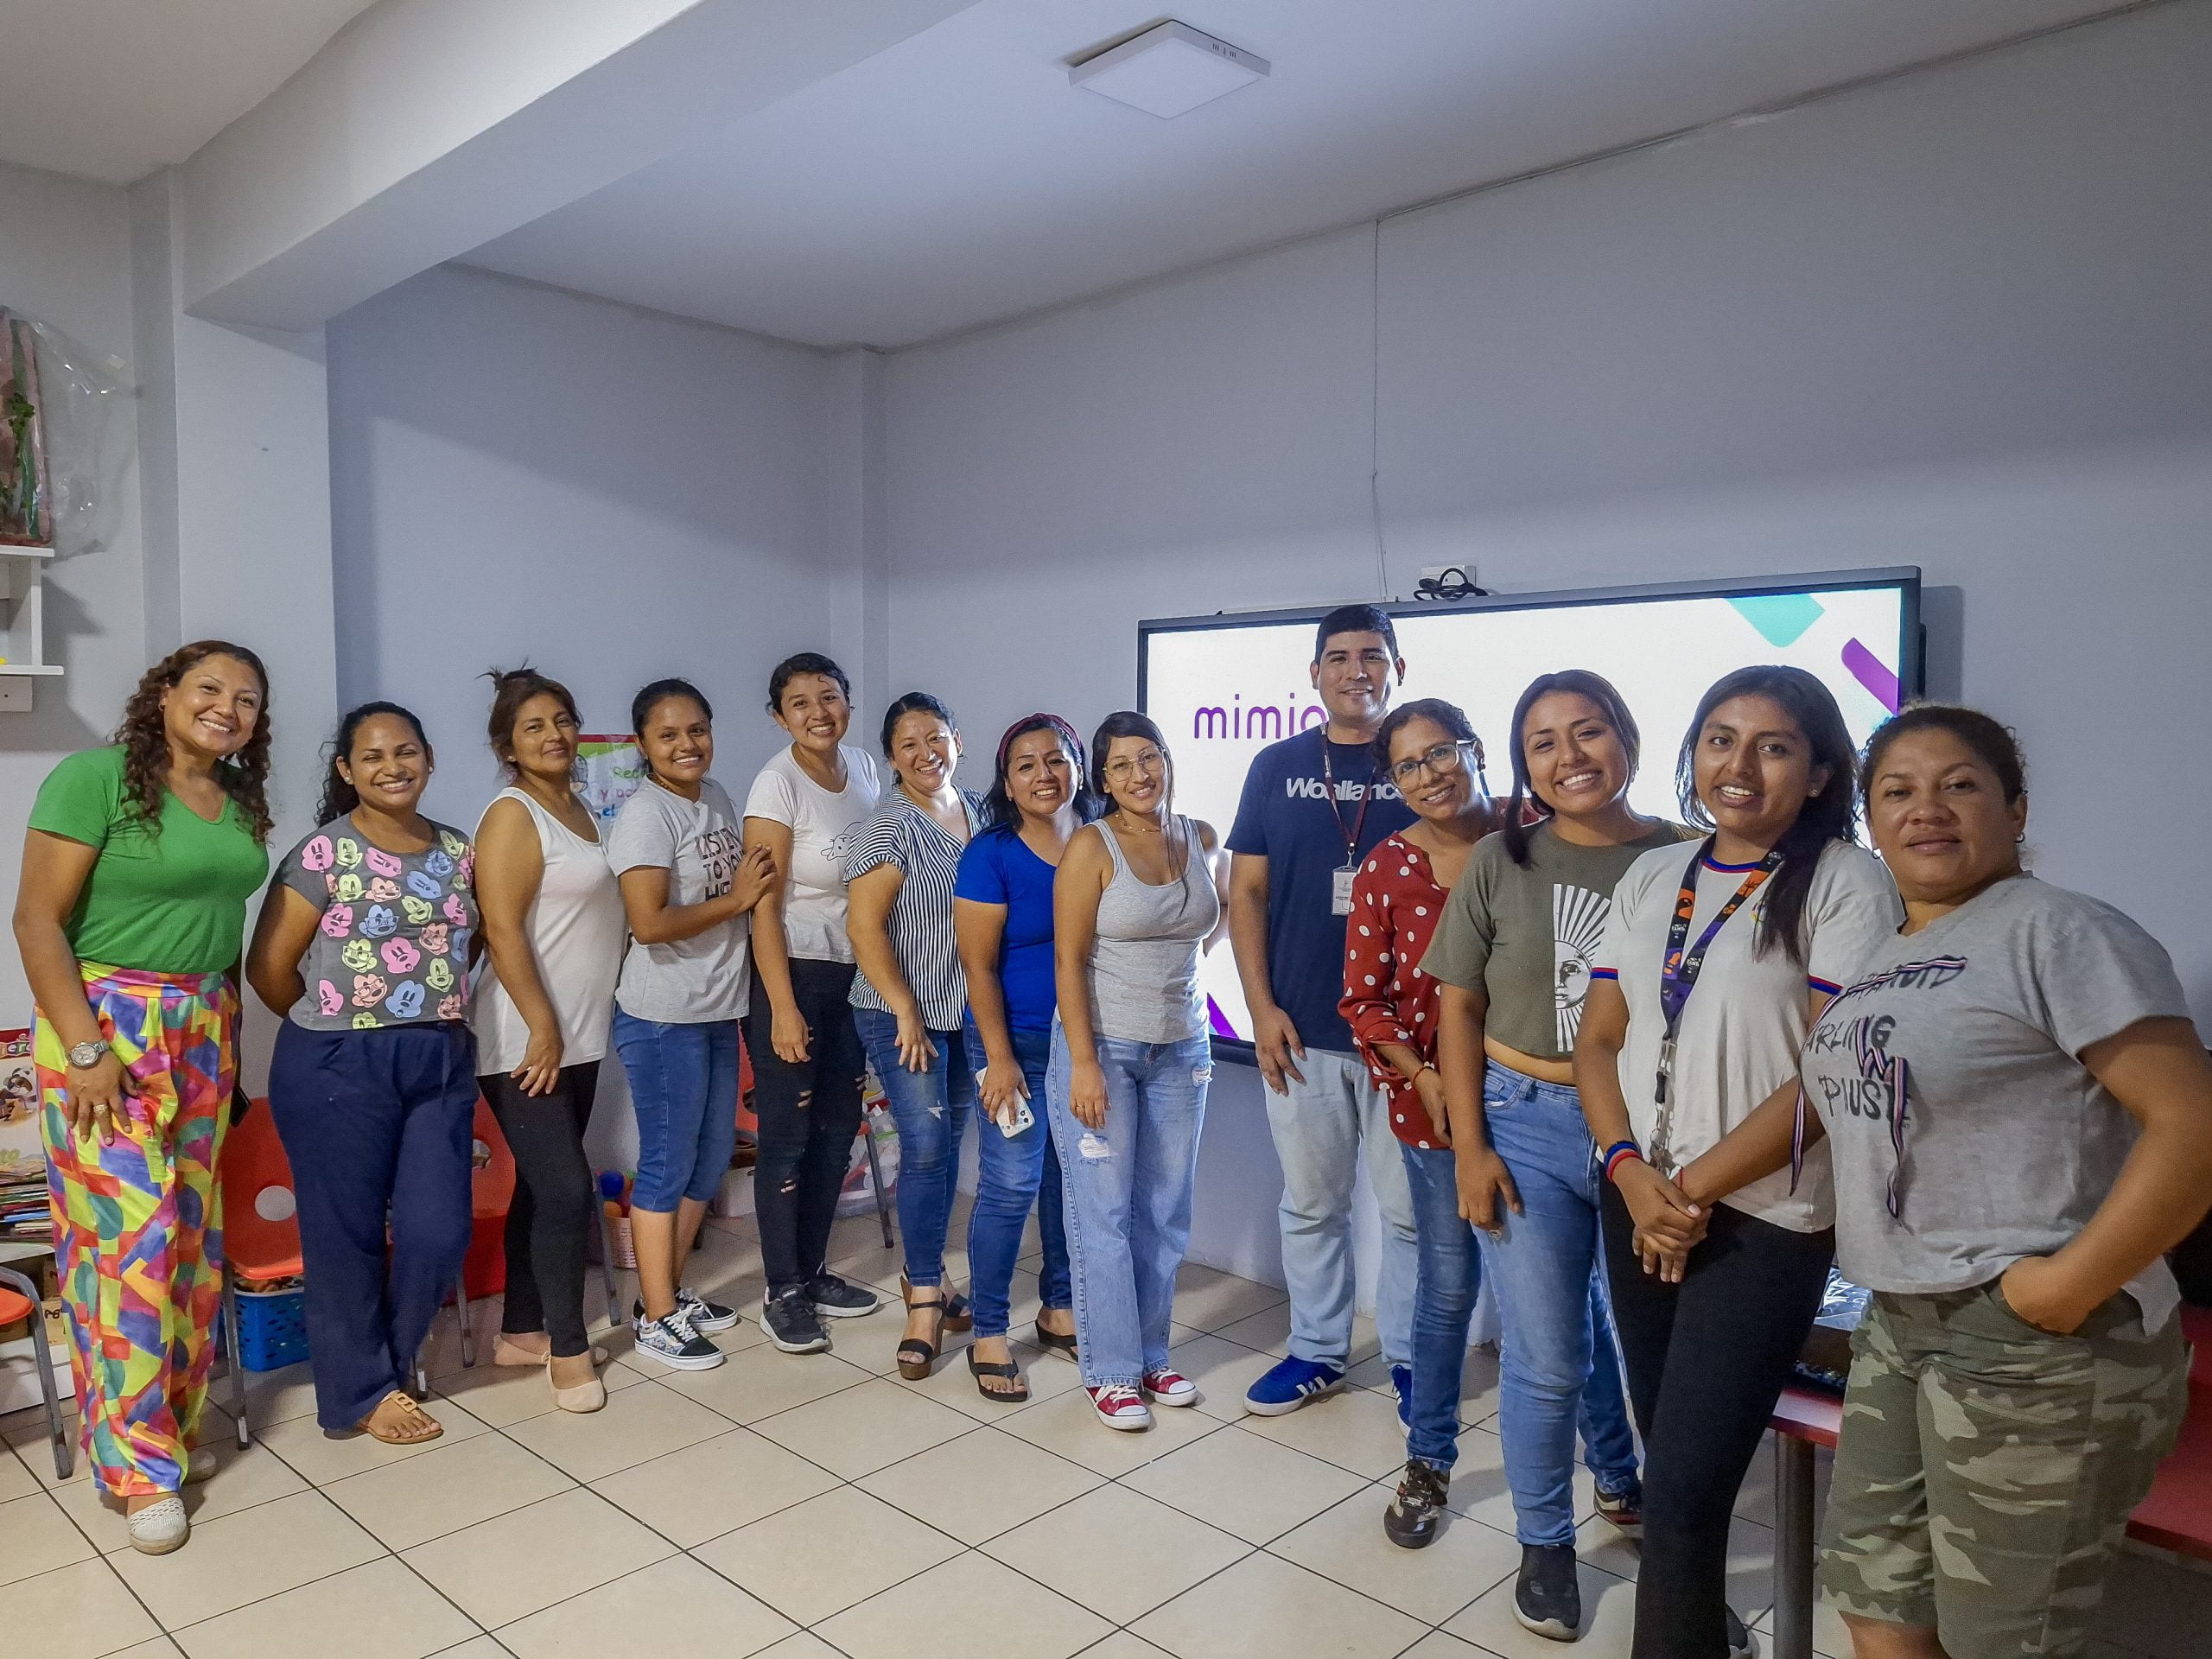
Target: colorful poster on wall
(24,1213)
(609,768)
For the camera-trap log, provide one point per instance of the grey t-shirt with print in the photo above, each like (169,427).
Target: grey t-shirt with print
(2006,1143)
(392,946)
(1527,936)
(702,979)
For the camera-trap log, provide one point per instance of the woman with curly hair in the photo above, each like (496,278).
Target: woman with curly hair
(137,865)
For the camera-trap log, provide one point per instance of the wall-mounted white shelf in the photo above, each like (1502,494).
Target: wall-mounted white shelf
(22,625)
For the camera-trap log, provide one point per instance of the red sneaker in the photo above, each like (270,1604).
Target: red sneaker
(1169,1387)
(1121,1406)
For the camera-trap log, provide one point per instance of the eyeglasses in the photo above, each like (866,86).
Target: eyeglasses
(1444,757)
(1147,761)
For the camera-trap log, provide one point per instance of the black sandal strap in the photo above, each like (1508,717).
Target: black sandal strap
(987,1367)
(921,1350)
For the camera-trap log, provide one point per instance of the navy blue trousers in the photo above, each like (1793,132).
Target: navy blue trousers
(377,1126)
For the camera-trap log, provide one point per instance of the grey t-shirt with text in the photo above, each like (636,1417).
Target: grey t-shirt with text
(2006,1143)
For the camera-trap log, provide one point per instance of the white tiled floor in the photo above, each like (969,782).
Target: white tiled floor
(804,1508)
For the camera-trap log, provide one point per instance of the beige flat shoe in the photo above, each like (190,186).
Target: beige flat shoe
(505,1352)
(584,1397)
(160,1527)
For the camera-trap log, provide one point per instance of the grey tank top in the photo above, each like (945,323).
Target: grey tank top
(1144,967)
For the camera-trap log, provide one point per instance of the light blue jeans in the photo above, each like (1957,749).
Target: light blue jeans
(1318,1129)
(683,1086)
(929,1108)
(1558,1356)
(1127,1188)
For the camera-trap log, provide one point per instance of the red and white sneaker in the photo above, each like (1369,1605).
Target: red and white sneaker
(1169,1387)
(1121,1406)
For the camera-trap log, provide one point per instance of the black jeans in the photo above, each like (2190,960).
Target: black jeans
(810,1114)
(1706,1359)
(554,1203)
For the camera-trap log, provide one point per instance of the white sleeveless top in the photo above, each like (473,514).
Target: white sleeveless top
(576,928)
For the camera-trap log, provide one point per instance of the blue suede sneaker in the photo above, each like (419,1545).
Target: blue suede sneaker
(1401,1380)
(1289,1385)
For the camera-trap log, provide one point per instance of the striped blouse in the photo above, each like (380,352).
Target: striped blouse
(920,925)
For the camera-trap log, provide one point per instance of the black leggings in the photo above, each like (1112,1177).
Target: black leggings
(1706,1359)
(554,1203)
(810,1114)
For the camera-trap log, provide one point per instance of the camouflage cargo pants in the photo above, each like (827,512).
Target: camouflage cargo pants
(1988,1468)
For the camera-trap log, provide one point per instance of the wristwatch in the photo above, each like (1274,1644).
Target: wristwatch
(84,1056)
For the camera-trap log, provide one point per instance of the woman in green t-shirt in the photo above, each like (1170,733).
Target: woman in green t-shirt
(137,865)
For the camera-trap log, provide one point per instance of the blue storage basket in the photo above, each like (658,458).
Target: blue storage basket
(272,1328)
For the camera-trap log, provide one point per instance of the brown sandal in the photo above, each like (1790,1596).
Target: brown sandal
(392,1437)
(915,1355)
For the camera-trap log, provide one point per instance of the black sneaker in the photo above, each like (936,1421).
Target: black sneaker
(674,1343)
(1742,1645)
(1410,1521)
(840,1299)
(790,1321)
(703,1314)
(1547,1598)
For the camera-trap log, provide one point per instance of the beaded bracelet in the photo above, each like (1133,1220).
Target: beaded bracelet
(1619,1153)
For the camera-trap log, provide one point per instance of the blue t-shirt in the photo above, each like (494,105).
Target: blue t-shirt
(1287,818)
(998,868)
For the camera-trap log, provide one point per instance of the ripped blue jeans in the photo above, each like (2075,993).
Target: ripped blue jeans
(929,1108)
(1127,1190)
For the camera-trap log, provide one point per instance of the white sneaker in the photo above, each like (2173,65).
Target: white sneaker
(160,1527)
(1169,1387)
(1120,1407)
(674,1343)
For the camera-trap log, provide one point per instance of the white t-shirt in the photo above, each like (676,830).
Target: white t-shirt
(1746,1019)
(824,824)
(689,982)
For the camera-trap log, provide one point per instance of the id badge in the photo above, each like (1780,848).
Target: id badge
(1340,902)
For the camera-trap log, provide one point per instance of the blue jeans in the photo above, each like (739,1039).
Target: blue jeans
(1558,1360)
(928,1107)
(1014,1173)
(1128,1197)
(1319,1128)
(683,1082)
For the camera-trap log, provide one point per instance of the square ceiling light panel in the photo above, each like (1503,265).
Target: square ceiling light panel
(1168,71)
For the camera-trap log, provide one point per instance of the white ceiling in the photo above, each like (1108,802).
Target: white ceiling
(113,89)
(957,178)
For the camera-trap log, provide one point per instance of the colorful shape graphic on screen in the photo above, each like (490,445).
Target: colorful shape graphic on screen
(1223,691)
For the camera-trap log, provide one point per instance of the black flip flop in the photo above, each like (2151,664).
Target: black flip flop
(1054,1341)
(980,1369)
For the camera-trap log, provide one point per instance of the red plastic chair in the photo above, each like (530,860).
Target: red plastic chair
(261,1233)
(19,1300)
(491,1194)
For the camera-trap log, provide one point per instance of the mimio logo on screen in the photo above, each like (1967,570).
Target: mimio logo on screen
(1262,722)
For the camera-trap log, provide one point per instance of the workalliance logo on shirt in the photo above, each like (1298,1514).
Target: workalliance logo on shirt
(1577,923)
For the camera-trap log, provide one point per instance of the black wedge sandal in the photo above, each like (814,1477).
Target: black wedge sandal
(980,1369)
(1055,1342)
(915,1355)
(958,1316)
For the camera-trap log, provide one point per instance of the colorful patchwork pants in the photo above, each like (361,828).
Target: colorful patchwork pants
(138,1226)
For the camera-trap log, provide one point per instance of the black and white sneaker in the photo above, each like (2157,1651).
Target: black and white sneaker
(703,1314)
(1410,1521)
(840,1299)
(790,1323)
(673,1342)
(1547,1600)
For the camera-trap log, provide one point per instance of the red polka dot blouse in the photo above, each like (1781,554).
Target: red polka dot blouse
(1396,905)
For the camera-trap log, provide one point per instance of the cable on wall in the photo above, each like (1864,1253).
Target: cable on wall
(1375,420)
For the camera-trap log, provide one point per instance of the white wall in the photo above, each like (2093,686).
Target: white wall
(614,494)
(1962,320)
(65,260)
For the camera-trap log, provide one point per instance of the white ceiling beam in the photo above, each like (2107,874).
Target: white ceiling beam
(428,127)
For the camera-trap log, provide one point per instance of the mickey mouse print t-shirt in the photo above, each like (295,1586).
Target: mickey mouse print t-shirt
(392,947)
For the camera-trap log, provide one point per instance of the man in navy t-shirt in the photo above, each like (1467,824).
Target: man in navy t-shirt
(1313,805)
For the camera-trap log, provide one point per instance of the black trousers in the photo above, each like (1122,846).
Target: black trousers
(555,1198)
(810,1114)
(1706,1359)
